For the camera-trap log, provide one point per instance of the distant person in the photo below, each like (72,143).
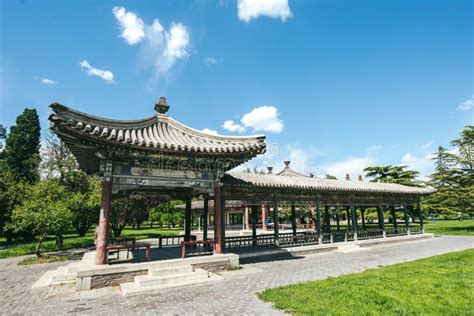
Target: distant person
(459,216)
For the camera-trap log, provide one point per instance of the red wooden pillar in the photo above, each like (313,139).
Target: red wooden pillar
(313,219)
(247,222)
(187,220)
(264,217)
(218,220)
(102,233)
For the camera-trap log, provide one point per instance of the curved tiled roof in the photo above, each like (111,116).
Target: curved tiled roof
(156,133)
(318,184)
(288,172)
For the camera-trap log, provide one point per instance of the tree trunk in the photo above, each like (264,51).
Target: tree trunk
(37,247)
(59,242)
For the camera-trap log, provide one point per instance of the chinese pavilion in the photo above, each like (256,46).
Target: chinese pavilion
(160,156)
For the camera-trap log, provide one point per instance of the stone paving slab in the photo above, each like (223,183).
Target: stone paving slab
(236,294)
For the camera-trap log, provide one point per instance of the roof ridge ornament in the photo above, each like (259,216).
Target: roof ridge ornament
(162,107)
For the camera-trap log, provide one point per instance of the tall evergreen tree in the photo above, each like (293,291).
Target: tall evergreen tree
(22,156)
(19,163)
(392,174)
(454,177)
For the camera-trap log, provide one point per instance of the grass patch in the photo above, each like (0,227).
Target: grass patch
(73,240)
(440,285)
(44,259)
(232,268)
(450,227)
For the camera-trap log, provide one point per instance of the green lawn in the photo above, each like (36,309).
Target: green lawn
(440,285)
(74,241)
(450,227)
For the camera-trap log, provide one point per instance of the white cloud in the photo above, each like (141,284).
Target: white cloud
(427,145)
(252,9)
(209,131)
(160,48)
(231,126)
(354,166)
(133,28)
(107,75)
(264,118)
(467,105)
(47,81)
(210,61)
(423,164)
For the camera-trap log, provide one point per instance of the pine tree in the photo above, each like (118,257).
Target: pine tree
(454,177)
(22,156)
(392,174)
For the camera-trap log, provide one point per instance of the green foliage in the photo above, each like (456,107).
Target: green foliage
(128,210)
(59,164)
(392,174)
(454,177)
(440,285)
(44,210)
(22,147)
(11,194)
(167,213)
(18,165)
(330,177)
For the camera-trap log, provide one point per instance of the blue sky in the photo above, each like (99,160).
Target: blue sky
(335,85)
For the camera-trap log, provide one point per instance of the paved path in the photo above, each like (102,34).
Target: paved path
(234,295)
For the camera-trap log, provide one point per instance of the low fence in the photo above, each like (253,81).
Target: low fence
(169,241)
(312,238)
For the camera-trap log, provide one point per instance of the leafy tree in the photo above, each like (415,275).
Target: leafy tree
(59,164)
(169,213)
(86,206)
(43,211)
(154,216)
(18,165)
(127,210)
(331,177)
(11,194)
(393,174)
(454,177)
(22,147)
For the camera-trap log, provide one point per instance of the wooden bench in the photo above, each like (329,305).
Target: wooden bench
(132,247)
(184,244)
(123,240)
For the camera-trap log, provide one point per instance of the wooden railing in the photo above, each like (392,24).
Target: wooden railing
(301,238)
(399,231)
(415,229)
(195,248)
(369,234)
(310,237)
(128,248)
(248,241)
(168,241)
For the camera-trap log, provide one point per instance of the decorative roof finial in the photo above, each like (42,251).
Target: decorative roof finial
(270,170)
(360,178)
(348,177)
(287,163)
(162,107)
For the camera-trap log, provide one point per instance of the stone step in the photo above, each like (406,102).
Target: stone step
(147,280)
(170,270)
(132,287)
(168,264)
